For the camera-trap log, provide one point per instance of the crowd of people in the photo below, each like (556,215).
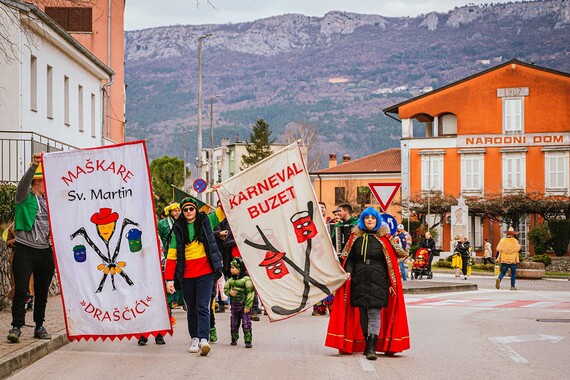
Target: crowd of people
(204,272)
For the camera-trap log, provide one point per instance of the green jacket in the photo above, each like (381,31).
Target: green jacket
(244,288)
(350,222)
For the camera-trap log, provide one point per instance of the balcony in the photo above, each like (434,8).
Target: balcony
(16,149)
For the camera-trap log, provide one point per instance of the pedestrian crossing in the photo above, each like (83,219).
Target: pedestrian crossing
(504,304)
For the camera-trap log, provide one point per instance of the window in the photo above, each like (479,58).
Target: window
(447,125)
(472,173)
(513,115)
(475,232)
(432,173)
(80,107)
(66,100)
(431,220)
(49,92)
(34,83)
(514,171)
(72,19)
(93,110)
(339,195)
(363,195)
(556,172)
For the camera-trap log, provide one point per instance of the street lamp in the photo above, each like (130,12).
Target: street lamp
(212,145)
(199,162)
(185,146)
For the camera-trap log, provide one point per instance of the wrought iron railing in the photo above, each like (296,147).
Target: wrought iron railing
(16,149)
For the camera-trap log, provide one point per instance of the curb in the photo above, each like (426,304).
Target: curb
(29,353)
(442,289)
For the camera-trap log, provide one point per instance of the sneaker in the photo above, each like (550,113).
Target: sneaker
(234,343)
(30,304)
(498,283)
(248,345)
(254,317)
(213,335)
(14,335)
(159,339)
(194,345)
(465,278)
(513,288)
(204,347)
(142,341)
(175,305)
(41,333)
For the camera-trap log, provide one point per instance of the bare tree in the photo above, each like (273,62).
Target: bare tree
(308,135)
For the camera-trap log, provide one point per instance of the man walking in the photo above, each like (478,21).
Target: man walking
(508,249)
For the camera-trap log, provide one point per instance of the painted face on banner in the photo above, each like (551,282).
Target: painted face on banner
(304,227)
(274,265)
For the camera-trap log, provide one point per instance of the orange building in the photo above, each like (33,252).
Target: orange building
(99,26)
(349,180)
(504,130)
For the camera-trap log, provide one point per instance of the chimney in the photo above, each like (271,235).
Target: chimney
(345,158)
(332,160)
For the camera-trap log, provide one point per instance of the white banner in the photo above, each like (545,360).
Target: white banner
(105,242)
(276,221)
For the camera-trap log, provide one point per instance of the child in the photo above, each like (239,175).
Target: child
(240,289)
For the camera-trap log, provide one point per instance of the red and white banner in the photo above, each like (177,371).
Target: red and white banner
(106,247)
(276,221)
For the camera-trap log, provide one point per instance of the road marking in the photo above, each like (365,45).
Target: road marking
(542,305)
(503,343)
(507,304)
(365,363)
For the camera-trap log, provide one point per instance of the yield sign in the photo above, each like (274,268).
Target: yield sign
(384,193)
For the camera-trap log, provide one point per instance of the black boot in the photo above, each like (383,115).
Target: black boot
(371,347)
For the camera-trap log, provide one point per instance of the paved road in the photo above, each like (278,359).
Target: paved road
(484,333)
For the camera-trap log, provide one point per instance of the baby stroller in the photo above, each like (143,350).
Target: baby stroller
(422,264)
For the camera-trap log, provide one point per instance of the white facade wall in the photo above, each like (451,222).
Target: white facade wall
(66,60)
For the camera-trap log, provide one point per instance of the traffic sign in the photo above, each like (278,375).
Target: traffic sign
(392,223)
(199,185)
(384,193)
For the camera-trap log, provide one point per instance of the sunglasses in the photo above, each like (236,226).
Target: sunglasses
(188,209)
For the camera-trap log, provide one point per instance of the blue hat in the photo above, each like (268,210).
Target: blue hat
(370,211)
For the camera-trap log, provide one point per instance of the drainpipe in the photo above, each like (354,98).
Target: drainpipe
(320,187)
(103,91)
(106,87)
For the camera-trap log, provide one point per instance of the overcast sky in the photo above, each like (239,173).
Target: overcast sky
(140,14)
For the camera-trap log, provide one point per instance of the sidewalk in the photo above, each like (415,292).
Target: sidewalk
(14,356)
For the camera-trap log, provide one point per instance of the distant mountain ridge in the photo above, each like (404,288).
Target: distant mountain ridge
(336,72)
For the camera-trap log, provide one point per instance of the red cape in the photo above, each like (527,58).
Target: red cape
(344,332)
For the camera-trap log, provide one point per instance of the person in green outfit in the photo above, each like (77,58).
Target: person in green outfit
(240,289)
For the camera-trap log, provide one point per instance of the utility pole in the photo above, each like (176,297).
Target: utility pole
(211,163)
(199,161)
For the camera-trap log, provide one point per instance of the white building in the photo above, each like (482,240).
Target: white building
(50,89)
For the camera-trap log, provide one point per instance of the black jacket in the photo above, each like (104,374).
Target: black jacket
(367,264)
(429,244)
(210,246)
(463,249)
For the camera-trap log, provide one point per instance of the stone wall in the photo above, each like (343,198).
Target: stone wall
(559,264)
(5,278)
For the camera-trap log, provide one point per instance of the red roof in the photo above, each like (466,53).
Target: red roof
(386,161)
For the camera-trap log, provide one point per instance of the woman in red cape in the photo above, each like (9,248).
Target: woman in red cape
(345,332)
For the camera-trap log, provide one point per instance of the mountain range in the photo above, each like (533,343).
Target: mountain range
(333,73)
